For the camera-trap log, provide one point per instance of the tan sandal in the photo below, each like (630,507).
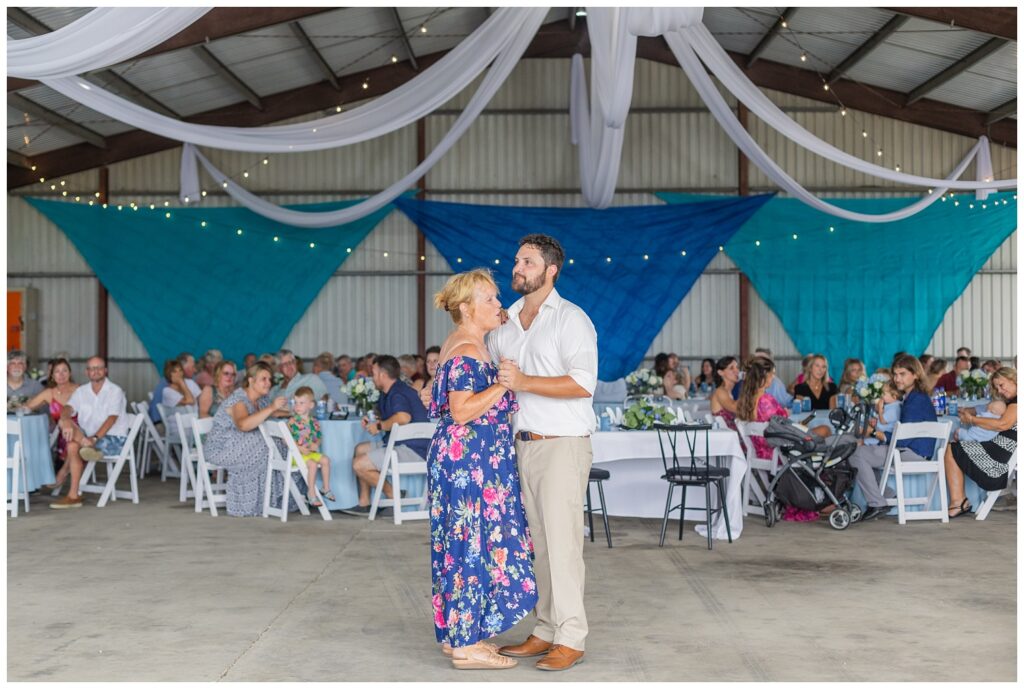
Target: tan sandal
(446,648)
(480,657)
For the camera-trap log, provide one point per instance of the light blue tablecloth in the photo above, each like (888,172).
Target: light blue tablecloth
(339,443)
(35,431)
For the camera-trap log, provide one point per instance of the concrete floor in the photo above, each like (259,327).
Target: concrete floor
(156,592)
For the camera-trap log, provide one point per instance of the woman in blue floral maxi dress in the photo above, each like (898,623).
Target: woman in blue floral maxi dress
(481,553)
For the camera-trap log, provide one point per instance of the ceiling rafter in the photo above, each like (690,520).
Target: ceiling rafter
(315,54)
(221,70)
(405,38)
(956,69)
(19,101)
(767,39)
(1002,112)
(865,48)
(552,41)
(18,160)
(995,21)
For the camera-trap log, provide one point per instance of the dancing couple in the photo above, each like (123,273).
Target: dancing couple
(503,487)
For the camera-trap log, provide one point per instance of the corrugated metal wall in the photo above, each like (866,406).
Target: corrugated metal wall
(517,158)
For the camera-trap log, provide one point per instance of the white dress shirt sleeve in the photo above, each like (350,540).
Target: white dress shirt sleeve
(578,342)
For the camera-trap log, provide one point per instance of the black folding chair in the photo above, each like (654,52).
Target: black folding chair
(698,471)
(598,476)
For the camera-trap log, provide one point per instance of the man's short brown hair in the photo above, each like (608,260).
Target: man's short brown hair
(550,250)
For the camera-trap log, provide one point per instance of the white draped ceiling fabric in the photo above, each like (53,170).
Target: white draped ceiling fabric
(103,37)
(597,118)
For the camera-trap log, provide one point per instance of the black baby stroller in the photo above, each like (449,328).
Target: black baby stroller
(817,470)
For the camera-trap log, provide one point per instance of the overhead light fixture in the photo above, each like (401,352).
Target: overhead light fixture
(394,59)
(581,12)
(423,28)
(803,57)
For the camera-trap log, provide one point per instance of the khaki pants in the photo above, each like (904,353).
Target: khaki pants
(554,475)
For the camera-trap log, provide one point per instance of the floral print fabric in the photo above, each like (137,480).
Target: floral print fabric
(481,555)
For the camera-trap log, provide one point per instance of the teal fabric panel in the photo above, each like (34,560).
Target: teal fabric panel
(185,287)
(865,290)
(628,298)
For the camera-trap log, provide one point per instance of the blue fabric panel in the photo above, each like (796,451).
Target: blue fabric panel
(865,290)
(629,298)
(185,287)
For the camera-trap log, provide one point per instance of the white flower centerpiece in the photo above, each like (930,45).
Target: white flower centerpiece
(870,389)
(643,381)
(973,383)
(363,393)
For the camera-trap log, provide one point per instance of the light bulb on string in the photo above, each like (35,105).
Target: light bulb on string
(53,187)
(897,167)
(684,251)
(879,153)
(78,198)
(970,205)
(225,185)
(803,57)
(826,87)
(646,257)
(366,85)
(943,199)
(337,108)
(757,242)
(42,180)
(203,193)
(266,161)
(349,250)
(202,223)
(97,194)
(955,203)
(864,133)
(794,236)
(458,260)
(167,215)
(608,259)
(312,245)
(842,112)
(394,59)
(571,261)
(423,28)
(166,204)
(33,168)
(152,206)
(64,193)
(497,261)
(246,173)
(187,199)
(784,24)
(239,231)
(63,182)
(276,238)
(831,228)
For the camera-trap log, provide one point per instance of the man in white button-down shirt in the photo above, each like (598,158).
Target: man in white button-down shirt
(548,355)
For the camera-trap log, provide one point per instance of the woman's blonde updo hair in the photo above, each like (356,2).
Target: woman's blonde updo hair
(459,290)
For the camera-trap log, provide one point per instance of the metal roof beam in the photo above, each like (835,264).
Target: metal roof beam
(866,47)
(995,21)
(26,21)
(19,101)
(1002,112)
(125,86)
(315,54)
(766,40)
(221,70)
(18,160)
(955,69)
(405,38)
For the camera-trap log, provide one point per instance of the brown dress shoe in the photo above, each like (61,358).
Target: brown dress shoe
(560,658)
(533,646)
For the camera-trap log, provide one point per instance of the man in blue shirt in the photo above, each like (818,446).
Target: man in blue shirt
(399,404)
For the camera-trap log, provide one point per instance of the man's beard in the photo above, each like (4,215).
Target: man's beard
(527,287)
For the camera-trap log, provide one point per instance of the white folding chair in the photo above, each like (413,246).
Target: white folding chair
(614,415)
(188,487)
(154,442)
(115,464)
(16,465)
(394,470)
(53,438)
(993,495)
(209,493)
(939,431)
(753,490)
(172,441)
(288,467)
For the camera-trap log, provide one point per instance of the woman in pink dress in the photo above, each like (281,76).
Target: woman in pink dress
(54,396)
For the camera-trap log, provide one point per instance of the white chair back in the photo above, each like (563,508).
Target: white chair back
(209,492)
(614,415)
(760,470)
(939,431)
(287,466)
(16,465)
(154,442)
(187,485)
(394,470)
(115,464)
(990,499)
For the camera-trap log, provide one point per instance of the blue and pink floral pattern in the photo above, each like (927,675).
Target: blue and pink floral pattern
(481,555)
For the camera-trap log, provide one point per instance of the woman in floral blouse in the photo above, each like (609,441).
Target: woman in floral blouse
(483,581)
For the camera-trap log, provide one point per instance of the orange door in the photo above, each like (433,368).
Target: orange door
(15,324)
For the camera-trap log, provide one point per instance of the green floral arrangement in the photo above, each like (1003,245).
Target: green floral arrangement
(973,383)
(642,415)
(363,394)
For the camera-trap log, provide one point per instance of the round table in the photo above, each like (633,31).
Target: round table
(35,436)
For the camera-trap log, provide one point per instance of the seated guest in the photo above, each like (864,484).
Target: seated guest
(934,371)
(365,368)
(332,383)
(399,404)
(431,357)
(947,381)
(409,374)
(210,360)
(292,379)
(975,363)
(247,361)
(964,351)
(726,377)
(986,463)
(909,377)
(853,370)
(345,369)
(821,391)
(421,369)
(926,360)
(20,386)
(101,427)
(236,444)
(802,376)
(211,397)
(180,392)
(756,403)
(672,387)
(682,372)
(56,394)
(188,363)
(706,377)
(990,366)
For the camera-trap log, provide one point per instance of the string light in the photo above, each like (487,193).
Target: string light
(239,231)
(826,87)
(33,168)
(720,248)
(943,199)
(202,223)
(684,252)
(646,257)
(63,182)
(53,187)
(898,168)
(266,161)
(312,245)
(225,184)
(784,24)
(970,205)
(337,108)
(571,261)
(385,254)
(879,153)
(366,85)
(120,207)
(348,250)
(167,215)
(97,194)
(91,202)
(276,238)
(984,206)
(186,199)
(794,235)
(803,57)
(497,261)
(581,12)
(152,206)
(955,203)
(203,193)
(167,204)
(423,28)
(608,259)
(394,59)
(842,112)
(458,260)
(864,133)
(135,208)
(757,242)
(64,193)
(42,180)
(831,228)
(104,206)
(423,258)
(246,173)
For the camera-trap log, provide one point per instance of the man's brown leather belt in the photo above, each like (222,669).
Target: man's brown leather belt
(529,435)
